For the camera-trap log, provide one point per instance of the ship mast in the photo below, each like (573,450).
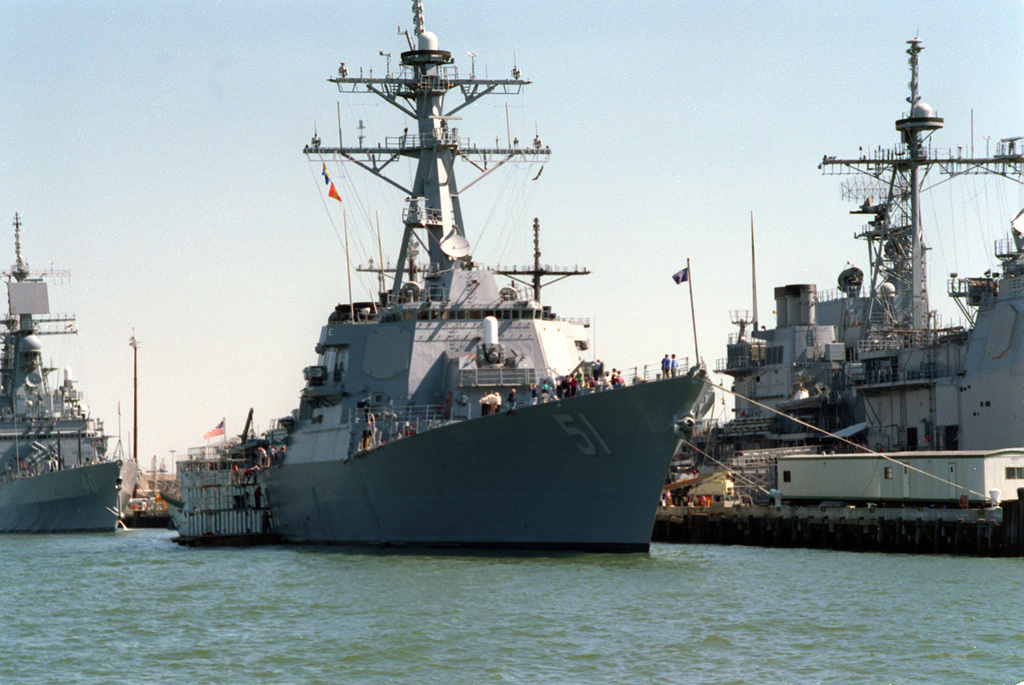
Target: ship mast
(20,268)
(538,271)
(433,215)
(891,193)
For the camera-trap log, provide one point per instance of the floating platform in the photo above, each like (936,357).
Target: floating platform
(222,502)
(993,531)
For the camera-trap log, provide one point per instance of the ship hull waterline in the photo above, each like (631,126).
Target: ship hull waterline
(79,500)
(583,473)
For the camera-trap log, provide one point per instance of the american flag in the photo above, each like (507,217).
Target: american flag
(219,430)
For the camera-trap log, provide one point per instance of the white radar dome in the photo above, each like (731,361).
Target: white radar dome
(922,110)
(428,41)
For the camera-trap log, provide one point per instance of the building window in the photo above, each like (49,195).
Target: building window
(888,473)
(1015,473)
(786,477)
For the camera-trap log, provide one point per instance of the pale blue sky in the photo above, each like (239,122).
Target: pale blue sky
(154,149)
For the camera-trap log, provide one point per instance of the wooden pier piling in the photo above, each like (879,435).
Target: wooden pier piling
(997,531)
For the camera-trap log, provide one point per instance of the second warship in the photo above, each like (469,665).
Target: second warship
(861,394)
(55,474)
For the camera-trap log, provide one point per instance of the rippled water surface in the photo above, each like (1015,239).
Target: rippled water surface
(133,607)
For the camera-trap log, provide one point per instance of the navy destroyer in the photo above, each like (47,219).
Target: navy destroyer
(388,445)
(55,475)
(869,367)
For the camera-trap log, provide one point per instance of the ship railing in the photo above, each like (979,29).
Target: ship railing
(380,425)
(522,293)
(417,141)
(417,212)
(897,340)
(205,452)
(39,467)
(737,363)
(885,376)
(1010,147)
(438,82)
(1006,249)
(652,372)
(830,295)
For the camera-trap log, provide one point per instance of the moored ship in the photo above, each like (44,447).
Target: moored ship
(388,446)
(860,394)
(55,475)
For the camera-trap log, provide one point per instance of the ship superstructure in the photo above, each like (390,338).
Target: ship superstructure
(869,361)
(388,445)
(55,474)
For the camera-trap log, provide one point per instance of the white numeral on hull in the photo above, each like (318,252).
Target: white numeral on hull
(589,439)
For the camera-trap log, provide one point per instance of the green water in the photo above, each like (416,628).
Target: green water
(133,607)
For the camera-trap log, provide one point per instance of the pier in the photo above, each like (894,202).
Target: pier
(993,531)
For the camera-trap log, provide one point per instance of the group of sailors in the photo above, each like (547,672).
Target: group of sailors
(490,403)
(577,384)
(550,390)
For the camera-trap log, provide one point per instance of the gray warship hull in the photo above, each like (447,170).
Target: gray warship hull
(581,473)
(78,500)
(55,475)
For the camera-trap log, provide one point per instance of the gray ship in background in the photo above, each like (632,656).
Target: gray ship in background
(55,475)
(869,366)
(388,445)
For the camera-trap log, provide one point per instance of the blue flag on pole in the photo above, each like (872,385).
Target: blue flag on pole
(681,276)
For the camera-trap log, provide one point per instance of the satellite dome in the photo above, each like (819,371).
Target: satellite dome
(922,110)
(887,290)
(31,343)
(428,41)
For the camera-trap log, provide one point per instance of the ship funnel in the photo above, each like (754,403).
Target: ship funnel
(796,305)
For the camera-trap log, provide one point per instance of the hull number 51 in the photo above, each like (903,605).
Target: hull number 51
(589,441)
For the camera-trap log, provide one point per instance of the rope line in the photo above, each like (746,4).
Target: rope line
(861,448)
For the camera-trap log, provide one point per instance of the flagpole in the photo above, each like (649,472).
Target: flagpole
(348,268)
(693,315)
(753,268)
(224,433)
(380,249)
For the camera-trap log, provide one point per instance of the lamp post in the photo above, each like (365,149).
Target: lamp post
(134,344)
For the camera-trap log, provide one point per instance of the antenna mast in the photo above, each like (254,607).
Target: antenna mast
(539,271)
(894,179)
(753,269)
